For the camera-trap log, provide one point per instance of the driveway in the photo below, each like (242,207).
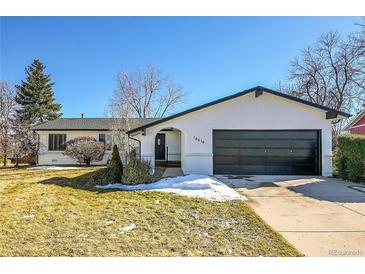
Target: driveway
(320,216)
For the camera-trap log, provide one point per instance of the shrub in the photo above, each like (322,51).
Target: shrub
(112,173)
(350,157)
(84,150)
(115,166)
(136,172)
(100,177)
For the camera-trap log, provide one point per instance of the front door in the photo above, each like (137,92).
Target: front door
(160,146)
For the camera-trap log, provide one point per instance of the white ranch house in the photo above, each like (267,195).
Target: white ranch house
(256,131)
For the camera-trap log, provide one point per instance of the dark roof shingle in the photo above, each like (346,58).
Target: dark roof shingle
(91,123)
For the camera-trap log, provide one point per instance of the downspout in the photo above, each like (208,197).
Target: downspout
(139,145)
(37,147)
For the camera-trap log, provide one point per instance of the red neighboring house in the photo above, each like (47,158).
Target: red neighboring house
(357,126)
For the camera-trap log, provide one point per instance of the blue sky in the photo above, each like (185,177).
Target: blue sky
(210,57)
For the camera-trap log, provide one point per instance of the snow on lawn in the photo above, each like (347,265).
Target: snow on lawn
(199,186)
(51,167)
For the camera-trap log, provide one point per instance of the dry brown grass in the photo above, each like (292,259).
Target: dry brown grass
(52,213)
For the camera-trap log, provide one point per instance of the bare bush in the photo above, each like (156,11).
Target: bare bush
(84,150)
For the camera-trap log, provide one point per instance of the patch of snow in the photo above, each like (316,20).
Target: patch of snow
(198,186)
(51,167)
(128,228)
(109,222)
(157,202)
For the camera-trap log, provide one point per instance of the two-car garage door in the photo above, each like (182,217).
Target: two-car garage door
(274,152)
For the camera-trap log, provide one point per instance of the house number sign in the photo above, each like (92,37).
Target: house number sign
(198,140)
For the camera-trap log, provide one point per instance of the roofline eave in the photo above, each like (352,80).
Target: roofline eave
(239,94)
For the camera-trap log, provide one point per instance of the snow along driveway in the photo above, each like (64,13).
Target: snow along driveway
(198,186)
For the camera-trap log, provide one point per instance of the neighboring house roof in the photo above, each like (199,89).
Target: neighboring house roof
(101,124)
(357,118)
(258,89)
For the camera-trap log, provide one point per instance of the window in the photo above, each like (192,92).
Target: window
(56,142)
(106,140)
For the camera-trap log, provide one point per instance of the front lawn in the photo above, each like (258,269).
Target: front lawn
(52,213)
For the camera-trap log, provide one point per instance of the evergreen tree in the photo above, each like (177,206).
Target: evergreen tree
(35,96)
(115,166)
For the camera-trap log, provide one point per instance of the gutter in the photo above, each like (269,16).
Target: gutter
(139,145)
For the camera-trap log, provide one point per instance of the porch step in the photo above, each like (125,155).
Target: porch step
(172,172)
(169,163)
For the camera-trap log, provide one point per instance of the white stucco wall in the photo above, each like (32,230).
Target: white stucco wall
(173,144)
(47,157)
(246,112)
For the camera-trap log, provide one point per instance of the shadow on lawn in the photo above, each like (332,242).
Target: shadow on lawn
(85,182)
(78,182)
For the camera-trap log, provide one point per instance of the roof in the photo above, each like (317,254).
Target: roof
(242,93)
(355,120)
(101,124)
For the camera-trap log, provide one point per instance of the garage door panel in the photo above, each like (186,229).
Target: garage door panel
(266,152)
(308,144)
(237,134)
(240,152)
(302,169)
(227,151)
(304,160)
(252,143)
(269,143)
(290,134)
(252,170)
(228,143)
(228,169)
(277,152)
(277,170)
(228,160)
(277,161)
(238,160)
(253,160)
(252,152)
(304,152)
(237,143)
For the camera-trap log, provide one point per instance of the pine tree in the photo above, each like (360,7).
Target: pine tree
(35,96)
(115,166)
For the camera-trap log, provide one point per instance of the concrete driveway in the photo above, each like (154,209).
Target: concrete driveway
(320,216)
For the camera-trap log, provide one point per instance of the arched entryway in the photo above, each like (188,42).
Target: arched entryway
(168,148)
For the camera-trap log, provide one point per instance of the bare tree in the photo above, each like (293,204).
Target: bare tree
(358,39)
(147,93)
(142,94)
(23,139)
(7,111)
(330,73)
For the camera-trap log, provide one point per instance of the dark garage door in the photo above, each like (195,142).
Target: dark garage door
(272,152)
